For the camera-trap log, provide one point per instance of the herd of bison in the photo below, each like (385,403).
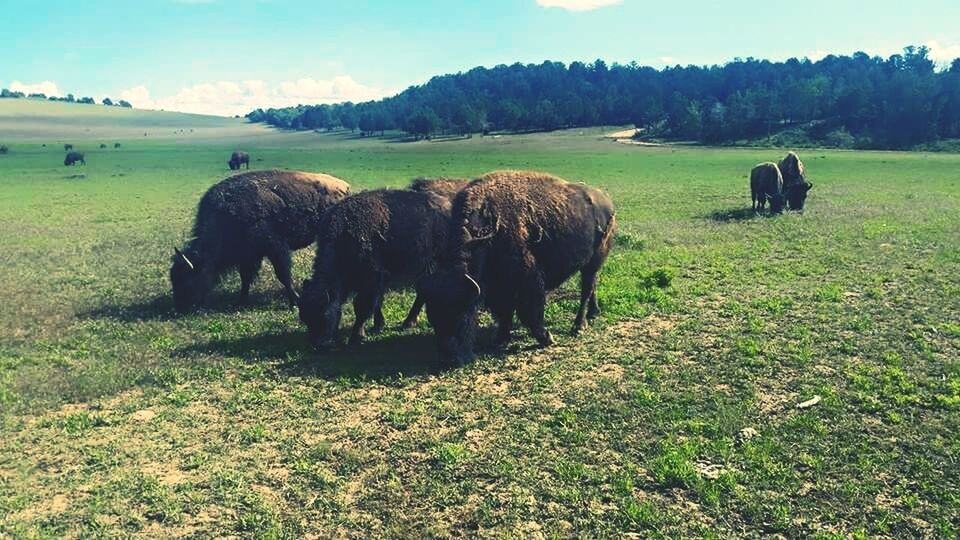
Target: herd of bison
(501,242)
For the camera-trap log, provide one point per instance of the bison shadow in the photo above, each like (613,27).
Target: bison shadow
(160,307)
(384,358)
(735,214)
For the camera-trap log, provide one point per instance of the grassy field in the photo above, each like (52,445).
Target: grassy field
(678,414)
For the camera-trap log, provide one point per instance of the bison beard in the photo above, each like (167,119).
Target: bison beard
(514,237)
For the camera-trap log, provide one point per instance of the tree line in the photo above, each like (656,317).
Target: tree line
(69,98)
(846,101)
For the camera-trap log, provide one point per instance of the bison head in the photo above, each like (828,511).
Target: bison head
(796,194)
(452,299)
(233,165)
(190,284)
(321,307)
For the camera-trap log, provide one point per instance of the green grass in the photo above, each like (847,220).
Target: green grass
(119,419)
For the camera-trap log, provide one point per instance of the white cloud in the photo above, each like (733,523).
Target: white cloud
(46,87)
(668,60)
(229,98)
(578,5)
(941,53)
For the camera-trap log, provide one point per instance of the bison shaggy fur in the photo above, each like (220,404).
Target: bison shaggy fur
(369,242)
(245,218)
(514,236)
(766,183)
(443,186)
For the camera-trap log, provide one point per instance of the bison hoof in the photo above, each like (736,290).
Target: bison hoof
(577,328)
(546,339)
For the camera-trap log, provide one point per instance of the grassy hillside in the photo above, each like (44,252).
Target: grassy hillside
(58,122)
(677,414)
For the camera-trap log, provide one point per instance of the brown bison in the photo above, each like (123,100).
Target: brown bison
(245,218)
(795,185)
(766,183)
(369,242)
(443,186)
(237,159)
(74,157)
(514,236)
(792,169)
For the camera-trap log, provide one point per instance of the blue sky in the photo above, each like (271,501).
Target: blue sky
(228,56)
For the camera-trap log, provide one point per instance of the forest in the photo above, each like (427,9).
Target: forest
(856,101)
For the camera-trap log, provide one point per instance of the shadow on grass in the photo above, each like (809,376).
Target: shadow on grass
(160,308)
(734,214)
(383,358)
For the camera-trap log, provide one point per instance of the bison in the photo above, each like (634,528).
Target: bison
(792,169)
(116,145)
(73,157)
(67,147)
(369,242)
(766,183)
(237,159)
(102,145)
(245,218)
(443,186)
(514,236)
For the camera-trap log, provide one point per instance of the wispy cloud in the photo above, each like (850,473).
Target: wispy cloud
(942,53)
(578,5)
(230,97)
(46,87)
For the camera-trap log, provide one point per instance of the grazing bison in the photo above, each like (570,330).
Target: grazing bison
(74,157)
(792,169)
(766,183)
(237,159)
(67,147)
(116,145)
(514,236)
(248,217)
(102,145)
(443,186)
(367,243)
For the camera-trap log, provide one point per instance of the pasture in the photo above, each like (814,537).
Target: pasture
(677,414)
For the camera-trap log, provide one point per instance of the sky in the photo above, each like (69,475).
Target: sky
(231,56)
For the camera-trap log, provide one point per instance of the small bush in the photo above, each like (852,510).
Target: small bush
(840,138)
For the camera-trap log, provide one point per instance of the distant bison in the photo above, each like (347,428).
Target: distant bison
(237,159)
(367,243)
(116,145)
(766,183)
(73,158)
(102,145)
(442,186)
(67,147)
(248,217)
(4,149)
(514,236)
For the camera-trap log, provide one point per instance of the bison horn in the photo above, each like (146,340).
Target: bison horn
(809,186)
(474,283)
(184,257)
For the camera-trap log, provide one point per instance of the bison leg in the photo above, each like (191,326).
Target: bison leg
(532,301)
(504,318)
(282,266)
(588,293)
(248,273)
(364,305)
(593,311)
(378,321)
(414,315)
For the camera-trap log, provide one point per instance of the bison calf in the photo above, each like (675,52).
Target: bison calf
(248,217)
(367,243)
(514,236)
(237,159)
